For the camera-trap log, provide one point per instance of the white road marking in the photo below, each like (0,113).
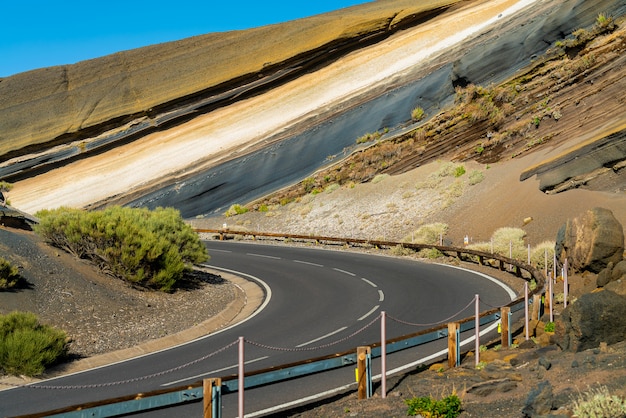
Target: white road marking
(212,372)
(263,256)
(345,272)
(369,313)
(369,282)
(321,338)
(219,251)
(381,296)
(308,263)
(506,288)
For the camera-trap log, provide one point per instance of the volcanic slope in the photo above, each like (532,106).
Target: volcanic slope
(170,155)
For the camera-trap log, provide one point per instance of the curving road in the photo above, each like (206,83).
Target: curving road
(319,302)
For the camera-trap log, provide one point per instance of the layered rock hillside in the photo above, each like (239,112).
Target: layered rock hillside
(117,128)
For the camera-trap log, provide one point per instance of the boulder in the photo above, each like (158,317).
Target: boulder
(592,319)
(591,241)
(540,401)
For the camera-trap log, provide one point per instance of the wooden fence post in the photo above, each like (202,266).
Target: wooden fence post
(362,372)
(504,326)
(536,307)
(212,405)
(453,327)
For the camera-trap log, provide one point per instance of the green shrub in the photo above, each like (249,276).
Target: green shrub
(9,275)
(28,347)
(235,209)
(459,170)
(549,327)
(417,114)
(147,248)
(448,407)
(599,403)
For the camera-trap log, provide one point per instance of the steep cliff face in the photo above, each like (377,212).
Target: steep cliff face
(56,105)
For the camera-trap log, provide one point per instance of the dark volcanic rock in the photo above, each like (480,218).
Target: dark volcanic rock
(592,319)
(539,401)
(591,241)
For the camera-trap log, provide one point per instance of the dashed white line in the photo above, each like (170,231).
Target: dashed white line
(344,272)
(369,313)
(322,337)
(263,256)
(214,250)
(212,372)
(369,282)
(381,296)
(308,263)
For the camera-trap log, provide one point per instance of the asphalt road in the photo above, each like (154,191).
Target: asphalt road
(319,302)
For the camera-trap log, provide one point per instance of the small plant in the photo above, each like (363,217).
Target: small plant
(459,170)
(604,21)
(368,137)
(549,327)
(599,403)
(448,407)
(264,208)
(5,187)
(417,114)
(536,121)
(475,177)
(482,348)
(235,209)
(479,149)
(9,276)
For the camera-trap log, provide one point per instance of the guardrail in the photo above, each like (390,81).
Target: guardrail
(197,391)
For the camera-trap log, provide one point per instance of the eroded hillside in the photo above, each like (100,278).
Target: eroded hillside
(574,91)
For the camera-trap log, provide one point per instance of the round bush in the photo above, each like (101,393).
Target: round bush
(28,347)
(147,248)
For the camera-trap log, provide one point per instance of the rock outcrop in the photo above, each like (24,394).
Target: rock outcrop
(592,319)
(592,241)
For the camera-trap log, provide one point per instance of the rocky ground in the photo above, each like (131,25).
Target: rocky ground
(536,380)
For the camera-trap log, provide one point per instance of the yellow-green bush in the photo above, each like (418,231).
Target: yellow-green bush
(428,234)
(599,403)
(28,347)
(235,209)
(147,248)
(9,275)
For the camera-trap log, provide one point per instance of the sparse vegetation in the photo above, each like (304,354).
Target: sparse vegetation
(426,406)
(475,177)
(428,234)
(9,275)
(599,403)
(28,347)
(417,114)
(5,187)
(147,248)
(369,137)
(235,210)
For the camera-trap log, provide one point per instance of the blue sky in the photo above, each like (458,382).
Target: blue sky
(43,33)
